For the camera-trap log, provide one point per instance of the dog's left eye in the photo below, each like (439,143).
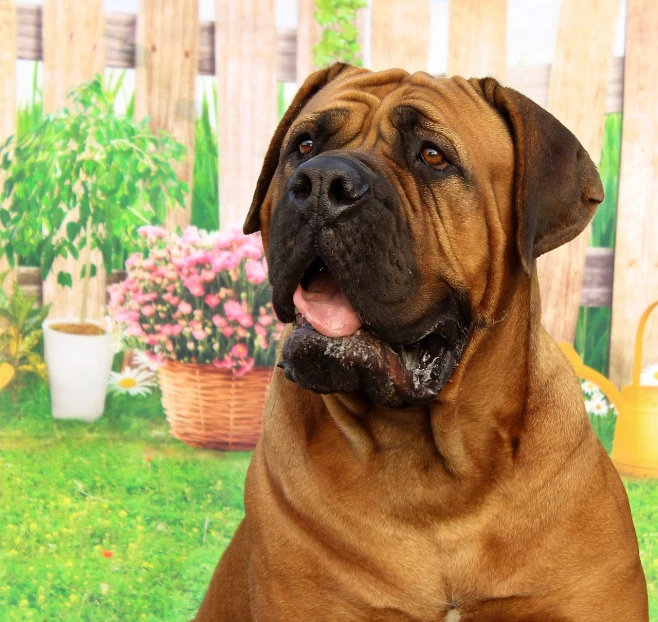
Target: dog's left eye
(433,157)
(305,146)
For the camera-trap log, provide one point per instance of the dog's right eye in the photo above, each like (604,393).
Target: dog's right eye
(305,146)
(433,157)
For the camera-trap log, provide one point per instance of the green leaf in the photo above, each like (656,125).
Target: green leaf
(72,231)
(47,260)
(64,279)
(30,341)
(83,271)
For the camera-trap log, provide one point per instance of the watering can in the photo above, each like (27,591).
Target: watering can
(635,446)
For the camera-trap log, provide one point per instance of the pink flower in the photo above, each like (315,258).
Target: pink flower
(233,310)
(246,321)
(199,334)
(126,317)
(207,275)
(219,321)
(133,330)
(222,364)
(255,271)
(148,311)
(196,291)
(131,262)
(227,331)
(185,307)
(212,300)
(260,331)
(245,367)
(152,233)
(148,264)
(191,234)
(251,251)
(174,301)
(265,320)
(239,350)
(177,330)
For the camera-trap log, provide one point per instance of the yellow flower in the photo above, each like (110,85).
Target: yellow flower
(69,563)
(33,526)
(24,603)
(74,598)
(123,514)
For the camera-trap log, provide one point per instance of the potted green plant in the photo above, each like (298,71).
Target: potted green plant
(84,179)
(20,334)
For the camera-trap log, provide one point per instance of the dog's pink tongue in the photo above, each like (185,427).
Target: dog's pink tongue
(326,307)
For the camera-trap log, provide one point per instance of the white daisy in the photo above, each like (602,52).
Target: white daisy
(597,406)
(131,382)
(649,376)
(588,386)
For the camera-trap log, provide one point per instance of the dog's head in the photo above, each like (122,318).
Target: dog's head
(393,208)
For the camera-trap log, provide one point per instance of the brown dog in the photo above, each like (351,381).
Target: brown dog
(426,453)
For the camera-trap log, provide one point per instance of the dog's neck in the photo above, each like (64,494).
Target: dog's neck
(487,422)
(480,417)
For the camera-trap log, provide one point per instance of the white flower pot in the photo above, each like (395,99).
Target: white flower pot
(78,371)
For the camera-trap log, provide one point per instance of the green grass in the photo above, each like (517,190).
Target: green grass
(72,490)
(205,189)
(592,339)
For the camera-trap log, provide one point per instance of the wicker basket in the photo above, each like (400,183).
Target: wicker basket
(214,408)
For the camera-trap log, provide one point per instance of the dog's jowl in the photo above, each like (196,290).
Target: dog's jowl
(426,454)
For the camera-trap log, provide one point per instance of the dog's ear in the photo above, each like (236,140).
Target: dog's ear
(557,187)
(314,83)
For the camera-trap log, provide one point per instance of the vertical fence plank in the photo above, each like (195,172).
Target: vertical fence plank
(73,51)
(577,97)
(7,88)
(477,38)
(245,64)
(309,33)
(167,58)
(400,34)
(636,249)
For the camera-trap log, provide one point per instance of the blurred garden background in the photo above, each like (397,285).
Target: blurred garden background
(116,519)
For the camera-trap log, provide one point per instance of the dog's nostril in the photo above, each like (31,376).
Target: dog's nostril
(302,187)
(342,191)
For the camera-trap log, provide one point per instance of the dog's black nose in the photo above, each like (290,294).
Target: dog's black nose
(327,187)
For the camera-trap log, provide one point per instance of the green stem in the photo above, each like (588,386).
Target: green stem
(85,285)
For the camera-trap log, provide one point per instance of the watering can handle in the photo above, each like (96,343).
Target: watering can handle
(637,366)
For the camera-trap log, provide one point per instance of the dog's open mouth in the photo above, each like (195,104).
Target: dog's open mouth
(331,350)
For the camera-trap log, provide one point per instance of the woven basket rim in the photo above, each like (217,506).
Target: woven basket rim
(210,366)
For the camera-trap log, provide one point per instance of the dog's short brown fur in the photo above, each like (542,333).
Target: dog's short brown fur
(494,502)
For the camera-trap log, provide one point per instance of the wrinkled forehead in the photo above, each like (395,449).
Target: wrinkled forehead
(393,100)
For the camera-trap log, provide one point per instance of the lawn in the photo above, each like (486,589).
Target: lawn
(115,520)
(74,494)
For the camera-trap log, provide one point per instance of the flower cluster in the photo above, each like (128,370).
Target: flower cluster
(596,403)
(649,376)
(198,298)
